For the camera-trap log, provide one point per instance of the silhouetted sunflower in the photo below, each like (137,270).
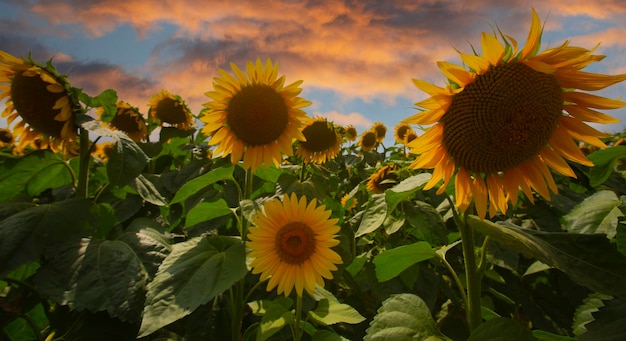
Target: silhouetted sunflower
(500,124)
(170,109)
(322,142)
(129,120)
(42,101)
(291,245)
(252,115)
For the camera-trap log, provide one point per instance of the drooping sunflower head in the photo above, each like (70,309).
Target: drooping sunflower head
(383,179)
(401,132)
(127,119)
(368,141)
(322,143)
(381,131)
(41,99)
(291,243)
(499,125)
(350,133)
(170,109)
(253,115)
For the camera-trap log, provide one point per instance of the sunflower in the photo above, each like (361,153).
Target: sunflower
(41,98)
(350,133)
(401,132)
(368,141)
(103,150)
(170,109)
(129,120)
(410,136)
(6,138)
(381,131)
(383,179)
(291,244)
(322,142)
(348,202)
(252,115)
(499,125)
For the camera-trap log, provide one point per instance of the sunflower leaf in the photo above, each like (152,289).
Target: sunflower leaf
(206,211)
(276,315)
(192,274)
(106,99)
(374,215)
(147,189)
(94,275)
(604,161)
(391,263)
(404,189)
(193,186)
(598,213)
(600,317)
(404,317)
(126,161)
(589,259)
(496,328)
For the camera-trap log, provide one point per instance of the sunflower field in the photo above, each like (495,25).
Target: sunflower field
(496,214)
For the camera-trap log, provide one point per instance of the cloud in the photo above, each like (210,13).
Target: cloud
(353,118)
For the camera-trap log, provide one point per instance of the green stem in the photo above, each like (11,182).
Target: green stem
(297,330)
(456,278)
(472,276)
(83,167)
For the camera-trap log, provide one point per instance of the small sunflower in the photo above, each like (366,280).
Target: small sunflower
(383,179)
(253,115)
(6,138)
(381,131)
(410,136)
(368,141)
(170,109)
(103,150)
(499,125)
(291,244)
(348,202)
(401,131)
(129,120)
(40,97)
(322,142)
(350,133)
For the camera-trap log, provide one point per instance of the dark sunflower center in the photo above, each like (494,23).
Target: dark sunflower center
(502,119)
(369,140)
(257,114)
(295,243)
(402,132)
(171,111)
(319,137)
(126,120)
(33,102)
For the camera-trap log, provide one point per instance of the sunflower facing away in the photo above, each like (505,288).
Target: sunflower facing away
(500,124)
(253,115)
(129,120)
(291,245)
(170,109)
(322,142)
(40,98)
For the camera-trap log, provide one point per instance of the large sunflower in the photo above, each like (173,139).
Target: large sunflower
(170,109)
(500,124)
(322,143)
(291,244)
(40,97)
(127,119)
(252,115)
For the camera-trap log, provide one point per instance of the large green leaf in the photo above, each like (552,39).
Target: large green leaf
(601,317)
(276,315)
(330,311)
(147,189)
(501,329)
(96,275)
(206,211)
(126,161)
(374,215)
(405,189)
(589,259)
(150,245)
(391,263)
(598,213)
(106,99)
(24,235)
(604,164)
(194,273)
(33,174)
(404,317)
(584,312)
(193,186)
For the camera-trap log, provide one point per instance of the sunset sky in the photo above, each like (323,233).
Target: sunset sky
(357,58)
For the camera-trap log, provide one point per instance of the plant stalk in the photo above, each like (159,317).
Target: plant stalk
(472,276)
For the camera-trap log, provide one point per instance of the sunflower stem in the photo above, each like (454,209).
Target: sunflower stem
(297,330)
(83,168)
(472,310)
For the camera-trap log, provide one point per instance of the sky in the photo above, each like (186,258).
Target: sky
(357,58)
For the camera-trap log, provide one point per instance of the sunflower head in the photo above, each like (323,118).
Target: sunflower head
(410,136)
(381,131)
(253,115)
(383,179)
(103,150)
(291,245)
(350,133)
(170,109)
(127,119)
(348,202)
(401,132)
(322,143)
(41,99)
(368,141)
(501,123)
(6,138)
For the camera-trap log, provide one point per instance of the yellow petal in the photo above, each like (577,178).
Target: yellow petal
(534,37)
(589,115)
(592,101)
(493,51)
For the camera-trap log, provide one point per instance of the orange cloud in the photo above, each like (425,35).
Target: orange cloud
(353,118)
